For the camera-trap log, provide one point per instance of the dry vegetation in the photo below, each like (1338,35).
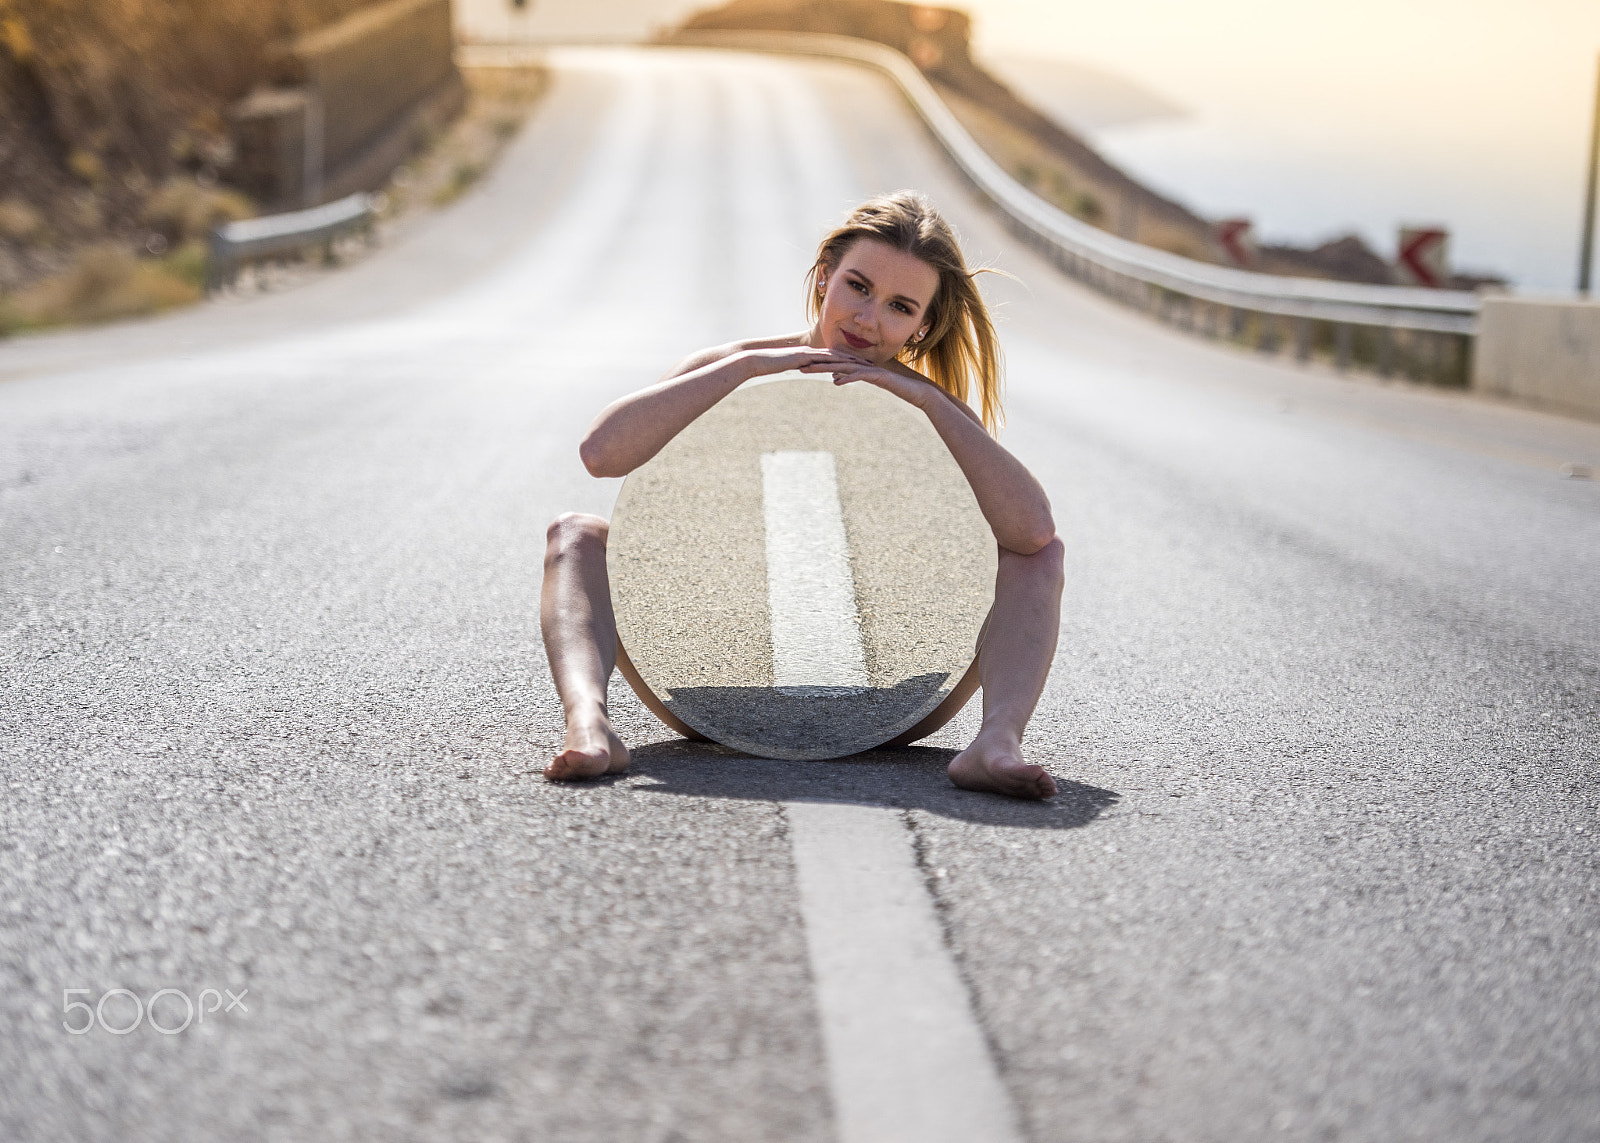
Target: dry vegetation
(113,145)
(108,279)
(111,140)
(105,281)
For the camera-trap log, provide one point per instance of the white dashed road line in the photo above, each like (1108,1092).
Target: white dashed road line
(816,634)
(907,1062)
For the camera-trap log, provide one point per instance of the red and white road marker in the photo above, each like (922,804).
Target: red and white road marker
(1424,256)
(1237,238)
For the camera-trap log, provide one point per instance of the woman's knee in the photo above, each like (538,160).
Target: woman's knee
(573,531)
(1047,562)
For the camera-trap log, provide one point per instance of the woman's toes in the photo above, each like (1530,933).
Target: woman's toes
(1011,776)
(574,763)
(1029,780)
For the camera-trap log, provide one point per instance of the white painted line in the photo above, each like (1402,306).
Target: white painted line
(906,1060)
(816,634)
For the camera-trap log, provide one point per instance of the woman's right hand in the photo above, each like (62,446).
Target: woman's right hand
(764,362)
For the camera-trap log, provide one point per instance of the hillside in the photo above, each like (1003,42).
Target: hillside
(102,102)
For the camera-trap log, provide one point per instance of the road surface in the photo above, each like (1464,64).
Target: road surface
(1324,861)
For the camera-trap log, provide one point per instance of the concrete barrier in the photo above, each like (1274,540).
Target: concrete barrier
(1541,350)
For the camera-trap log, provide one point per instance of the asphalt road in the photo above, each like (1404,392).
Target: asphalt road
(1323,867)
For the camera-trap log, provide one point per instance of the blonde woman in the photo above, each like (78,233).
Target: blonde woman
(892,304)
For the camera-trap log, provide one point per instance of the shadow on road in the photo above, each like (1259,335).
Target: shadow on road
(911,777)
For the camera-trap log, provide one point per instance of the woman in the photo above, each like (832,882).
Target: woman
(889,290)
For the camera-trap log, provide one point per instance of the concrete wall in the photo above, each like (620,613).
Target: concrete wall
(1546,351)
(350,102)
(369,68)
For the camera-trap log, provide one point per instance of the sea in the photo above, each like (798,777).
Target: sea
(1512,211)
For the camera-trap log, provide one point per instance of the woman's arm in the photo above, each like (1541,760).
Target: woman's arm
(631,430)
(1011,500)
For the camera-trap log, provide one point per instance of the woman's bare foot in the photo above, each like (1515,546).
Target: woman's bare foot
(994,764)
(591,749)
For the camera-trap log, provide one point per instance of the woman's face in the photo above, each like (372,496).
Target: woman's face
(876,300)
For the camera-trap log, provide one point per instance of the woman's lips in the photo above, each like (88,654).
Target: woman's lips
(853,341)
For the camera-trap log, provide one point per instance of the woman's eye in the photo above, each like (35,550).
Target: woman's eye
(858,287)
(902,307)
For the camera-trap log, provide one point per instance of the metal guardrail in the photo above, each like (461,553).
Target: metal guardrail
(1431,330)
(275,235)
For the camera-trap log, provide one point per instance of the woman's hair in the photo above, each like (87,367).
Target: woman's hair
(961,349)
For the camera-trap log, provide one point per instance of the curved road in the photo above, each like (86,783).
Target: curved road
(1324,865)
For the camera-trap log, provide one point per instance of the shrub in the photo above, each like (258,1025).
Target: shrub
(184,211)
(106,281)
(461,178)
(20,222)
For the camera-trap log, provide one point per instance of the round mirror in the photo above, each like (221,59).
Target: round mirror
(802,572)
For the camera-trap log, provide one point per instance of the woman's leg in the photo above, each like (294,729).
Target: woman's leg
(1019,645)
(580,639)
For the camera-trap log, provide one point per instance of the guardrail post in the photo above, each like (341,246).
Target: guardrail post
(222,268)
(1269,333)
(1385,352)
(1302,339)
(1446,359)
(1343,335)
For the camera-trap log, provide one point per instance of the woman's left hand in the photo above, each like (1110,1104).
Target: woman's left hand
(903,382)
(1011,500)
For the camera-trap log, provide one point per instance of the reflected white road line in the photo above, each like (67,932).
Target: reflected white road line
(906,1059)
(816,634)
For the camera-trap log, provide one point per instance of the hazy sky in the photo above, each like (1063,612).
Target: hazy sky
(1441,72)
(1321,117)
(1314,117)
(1434,74)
